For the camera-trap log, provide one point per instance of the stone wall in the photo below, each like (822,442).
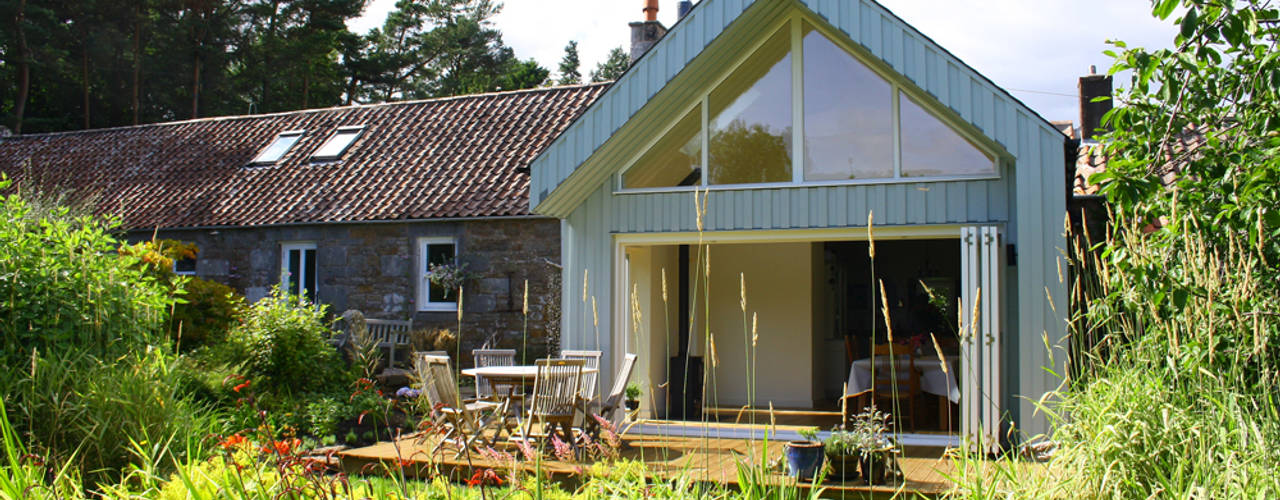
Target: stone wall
(372,267)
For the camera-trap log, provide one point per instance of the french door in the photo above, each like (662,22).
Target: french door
(981,358)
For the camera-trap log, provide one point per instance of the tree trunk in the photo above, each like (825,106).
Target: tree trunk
(137,59)
(24,68)
(84,80)
(195,89)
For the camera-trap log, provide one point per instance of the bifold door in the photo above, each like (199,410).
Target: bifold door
(980,337)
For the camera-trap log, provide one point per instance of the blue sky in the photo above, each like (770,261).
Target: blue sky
(1036,49)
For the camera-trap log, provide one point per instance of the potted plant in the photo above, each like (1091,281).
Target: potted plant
(633,393)
(449,276)
(804,457)
(875,449)
(843,450)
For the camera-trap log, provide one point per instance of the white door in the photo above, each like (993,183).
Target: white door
(980,336)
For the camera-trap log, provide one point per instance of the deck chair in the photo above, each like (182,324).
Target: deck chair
(613,407)
(899,385)
(590,359)
(555,399)
(492,357)
(467,421)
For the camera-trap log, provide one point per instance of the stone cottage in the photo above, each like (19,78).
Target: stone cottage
(348,205)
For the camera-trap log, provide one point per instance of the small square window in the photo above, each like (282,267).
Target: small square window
(337,145)
(277,149)
(184,267)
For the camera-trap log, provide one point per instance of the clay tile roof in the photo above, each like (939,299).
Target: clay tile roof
(444,158)
(1091,158)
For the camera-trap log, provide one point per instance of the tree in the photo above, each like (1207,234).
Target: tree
(523,75)
(612,67)
(569,64)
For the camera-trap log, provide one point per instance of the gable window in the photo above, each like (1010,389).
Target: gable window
(435,251)
(298,269)
(283,142)
(337,145)
(803,108)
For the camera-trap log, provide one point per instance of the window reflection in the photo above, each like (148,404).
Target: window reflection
(848,115)
(675,160)
(750,118)
(931,148)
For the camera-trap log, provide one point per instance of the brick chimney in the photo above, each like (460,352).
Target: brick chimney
(1093,86)
(645,34)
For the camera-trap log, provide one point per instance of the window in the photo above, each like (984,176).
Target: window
(801,89)
(931,148)
(675,160)
(750,118)
(435,251)
(277,149)
(185,266)
(334,148)
(298,269)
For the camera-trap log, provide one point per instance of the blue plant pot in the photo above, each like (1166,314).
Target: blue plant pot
(804,459)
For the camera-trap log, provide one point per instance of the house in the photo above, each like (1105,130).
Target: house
(803,120)
(347,205)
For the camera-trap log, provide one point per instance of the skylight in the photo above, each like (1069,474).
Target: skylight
(333,148)
(276,150)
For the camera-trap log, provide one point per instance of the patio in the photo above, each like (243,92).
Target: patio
(703,458)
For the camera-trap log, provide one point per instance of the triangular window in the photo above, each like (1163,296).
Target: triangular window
(931,148)
(675,160)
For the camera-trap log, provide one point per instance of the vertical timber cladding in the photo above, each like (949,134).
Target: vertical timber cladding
(572,180)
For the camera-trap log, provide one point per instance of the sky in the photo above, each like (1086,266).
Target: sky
(1035,49)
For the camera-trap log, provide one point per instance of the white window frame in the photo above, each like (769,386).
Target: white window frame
(356,131)
(184,273)
(259,160)
(898,86)
(423,276)
(301,247)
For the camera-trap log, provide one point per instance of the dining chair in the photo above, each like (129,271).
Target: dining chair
(492,357)
(466,420)
(613,407)
(899,384)
(590,359)
(555,398)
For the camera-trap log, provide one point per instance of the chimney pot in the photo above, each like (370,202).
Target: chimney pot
(684,7)
(651,10)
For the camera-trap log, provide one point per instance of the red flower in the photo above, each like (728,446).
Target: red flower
(282,447)
(241,386)
(484,478)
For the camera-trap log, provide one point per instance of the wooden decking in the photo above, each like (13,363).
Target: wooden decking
(695,458)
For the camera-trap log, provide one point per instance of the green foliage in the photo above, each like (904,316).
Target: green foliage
(208,310)
(63,287)
(283,340)
(569,64)
(612,67)
(633,391)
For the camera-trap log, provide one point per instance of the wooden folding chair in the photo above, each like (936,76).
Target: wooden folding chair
(613,407)
(898,385)
(555,398)
(493,357)
(590,359)
(467,420)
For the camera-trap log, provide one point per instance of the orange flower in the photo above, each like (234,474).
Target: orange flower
(241,386)
(232,441)
(282,447)
(485,477)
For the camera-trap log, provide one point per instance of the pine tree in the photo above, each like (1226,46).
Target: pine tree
(613,67)
(569,64)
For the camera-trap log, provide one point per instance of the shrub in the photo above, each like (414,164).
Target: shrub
(283,340)
(63,286)
(207,312)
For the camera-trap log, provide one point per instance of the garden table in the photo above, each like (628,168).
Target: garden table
(933,379)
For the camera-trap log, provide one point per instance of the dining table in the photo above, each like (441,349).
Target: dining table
(934,379)
(512,375)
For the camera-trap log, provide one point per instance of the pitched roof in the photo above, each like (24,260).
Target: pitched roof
(442,158)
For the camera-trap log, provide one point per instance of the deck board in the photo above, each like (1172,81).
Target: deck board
(703,459)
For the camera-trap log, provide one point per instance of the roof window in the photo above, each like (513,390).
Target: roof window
(277,149)
(333,148)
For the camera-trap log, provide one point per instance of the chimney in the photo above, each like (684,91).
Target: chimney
(684,7)
(645,34)
(1093,86)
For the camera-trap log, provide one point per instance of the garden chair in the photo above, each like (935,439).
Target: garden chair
(391,335)
(493,357)
(898,385)
(466,420)
(613,408)
(590,359)
(554,401)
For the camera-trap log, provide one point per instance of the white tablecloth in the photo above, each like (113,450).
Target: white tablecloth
(933,379)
